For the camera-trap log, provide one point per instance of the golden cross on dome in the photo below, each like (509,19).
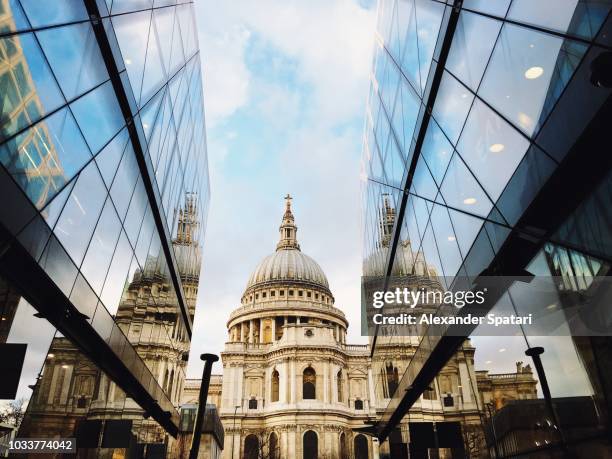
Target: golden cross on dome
(288,198)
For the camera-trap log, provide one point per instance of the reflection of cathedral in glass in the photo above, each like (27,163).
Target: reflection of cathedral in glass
(72,395)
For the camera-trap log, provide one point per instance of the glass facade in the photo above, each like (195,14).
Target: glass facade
(484,155)
(104,178)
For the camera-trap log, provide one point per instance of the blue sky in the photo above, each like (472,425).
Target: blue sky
(285,87)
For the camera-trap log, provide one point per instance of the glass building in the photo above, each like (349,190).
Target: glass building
(104,182)
(486,156)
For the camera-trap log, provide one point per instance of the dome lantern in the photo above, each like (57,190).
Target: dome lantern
(288,229)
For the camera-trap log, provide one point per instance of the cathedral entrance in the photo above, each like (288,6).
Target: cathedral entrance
(311,445)
(361,447)
(251,447)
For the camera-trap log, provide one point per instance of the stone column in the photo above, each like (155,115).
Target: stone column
(251,331)
(464,380)
(292,444)
(284,443)
(371,388)
(273,329)
(297,319)
(238,381)
(334,384)
(261,333)
(325,382)
(292,382)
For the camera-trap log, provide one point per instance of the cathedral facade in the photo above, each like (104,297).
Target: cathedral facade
(292,387)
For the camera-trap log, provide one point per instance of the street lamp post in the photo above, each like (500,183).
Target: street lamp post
(234,430)
(208,359)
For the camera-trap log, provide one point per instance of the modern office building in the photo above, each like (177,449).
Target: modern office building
(487,131)
(105,189)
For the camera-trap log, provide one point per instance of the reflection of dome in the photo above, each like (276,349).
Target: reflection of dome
(288,264)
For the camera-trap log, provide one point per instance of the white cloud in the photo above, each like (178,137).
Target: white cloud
(222,47)
(327,44)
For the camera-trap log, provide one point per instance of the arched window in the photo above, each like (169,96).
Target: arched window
(251,447)
(273,448)
(392,379)
(309,384)
(311,445)
(340,383)
(343,447)
(361,447)
(275,385)
(359,404)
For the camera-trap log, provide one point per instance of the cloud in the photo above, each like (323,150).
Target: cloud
(285,86)
(222,47)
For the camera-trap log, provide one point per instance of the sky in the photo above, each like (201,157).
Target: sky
(285,89)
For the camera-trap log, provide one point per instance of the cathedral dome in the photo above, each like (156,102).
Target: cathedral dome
(288,264)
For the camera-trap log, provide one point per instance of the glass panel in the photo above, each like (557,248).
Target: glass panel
(132,32)
(529,177)
(154,73)
(466,229)
(461,191)
(472,45)
(164,24)
(406,113)
(58,265)
(394,164)
(27,87)
(410,50)
(81,212)
(117,274)
(436,151)
(125,180)
(124,6)
(527,69)
(135,212)
(46,156)
(494,7)
(12,17)
(446,240)
(98,115)
(491,148)
(185,15)
(579,17)
(44,13)
(422,183)
(429,17)
(74,56)
(52,211)
(100,251)
(452,106)
(108,159)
